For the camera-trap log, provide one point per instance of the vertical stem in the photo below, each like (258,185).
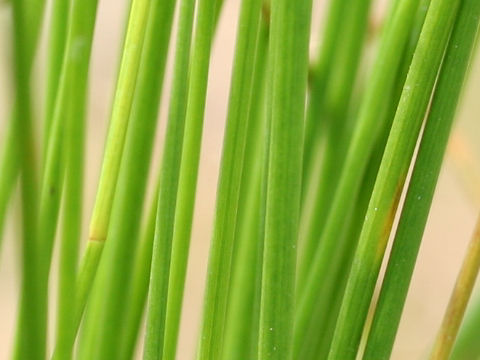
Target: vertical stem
(130,191)
(30,337)
(219,266)
(56,48)
(422,184)
(391,176)
(290,29)
(169,174)
(187,181)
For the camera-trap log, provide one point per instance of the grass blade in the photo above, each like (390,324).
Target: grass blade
(422,185)
(290,29)
(333,108)
(30,338)
(199,66)
(131,185)
(56,48)
(140,283)
(241,332)
(221,248)
(169,174)
(329,255)
(393,170)
(122,104)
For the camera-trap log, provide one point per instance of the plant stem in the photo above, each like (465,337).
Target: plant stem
(9,166)
(119,120)
(131,185)
(422,184)
(169,173)
(56,49)
(140,282)
(321,71)
(328,258)
(221,248)
(197,89)
(290,29)
(469,271)
(241,331)
(335,108)
(391,176)
(30,340)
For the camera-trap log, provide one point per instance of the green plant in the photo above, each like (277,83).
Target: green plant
(315,157)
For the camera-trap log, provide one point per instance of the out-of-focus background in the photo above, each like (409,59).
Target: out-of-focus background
(450,224)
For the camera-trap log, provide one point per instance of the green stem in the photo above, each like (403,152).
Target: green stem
(219,266)
(334,107)
(241,332)
(169,174)
(30,337)
(328,258)
(131,185)
(119,120)
(321,71)
(140,282)
(290,29)
(391,176)
(422,184)
(56,49)
(199,66)
(9,166)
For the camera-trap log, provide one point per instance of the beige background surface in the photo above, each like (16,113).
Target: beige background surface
(450,223)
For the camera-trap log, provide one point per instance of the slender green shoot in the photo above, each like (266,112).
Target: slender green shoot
(391,176)
(187,181)
(122,103)
(168,182)
(30,337)
(140,283)
(132,179)
(422,184)
(290,29)
(334,109)
(328,258)
(220,258)
(56,48)
(241,331)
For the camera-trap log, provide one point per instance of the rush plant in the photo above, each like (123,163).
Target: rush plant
(316,155)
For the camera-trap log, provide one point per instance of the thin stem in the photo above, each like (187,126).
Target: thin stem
(122,103)
(140,283)
(241,331)
(56,48)
(422,184)
(290,29)
(391,176)
(334,109)
(30,337)
(9,166)
(333,245)
(187,181)
(169,173)
(221,248)
(132,178)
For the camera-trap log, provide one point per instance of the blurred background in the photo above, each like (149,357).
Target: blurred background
(450,224)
